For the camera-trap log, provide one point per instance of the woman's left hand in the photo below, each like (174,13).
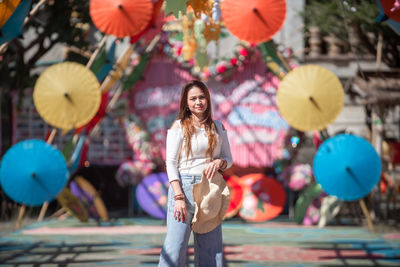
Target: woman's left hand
(212,167)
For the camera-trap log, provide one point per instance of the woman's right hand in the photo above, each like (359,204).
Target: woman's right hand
(180,210)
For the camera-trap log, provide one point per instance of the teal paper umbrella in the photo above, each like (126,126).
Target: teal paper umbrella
(33,172)
(395,25)
(13,27)
(347,166)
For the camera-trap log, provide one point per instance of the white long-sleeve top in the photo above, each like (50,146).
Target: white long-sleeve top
(178,163)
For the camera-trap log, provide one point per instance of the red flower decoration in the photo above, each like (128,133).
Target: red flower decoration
(221,68)
(234,61)
(243,52)
(179,50)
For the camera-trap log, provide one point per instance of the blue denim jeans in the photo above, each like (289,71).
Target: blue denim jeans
(207,247)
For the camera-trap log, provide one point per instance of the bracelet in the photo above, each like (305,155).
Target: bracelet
(179,197)
(223,165)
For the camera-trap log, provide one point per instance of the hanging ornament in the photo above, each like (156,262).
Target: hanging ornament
(211,31)
(189,41)
(216,11)
(199,7)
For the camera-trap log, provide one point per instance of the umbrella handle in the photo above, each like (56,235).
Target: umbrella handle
(258,14)
(314,102)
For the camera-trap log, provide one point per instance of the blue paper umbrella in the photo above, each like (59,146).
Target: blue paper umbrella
(32,172)
(347,166)
(13,27)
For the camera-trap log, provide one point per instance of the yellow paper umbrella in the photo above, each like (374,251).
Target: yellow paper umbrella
(67,95)
(7,7)
(310,97)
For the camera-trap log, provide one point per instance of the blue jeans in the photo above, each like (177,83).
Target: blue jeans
(207,247)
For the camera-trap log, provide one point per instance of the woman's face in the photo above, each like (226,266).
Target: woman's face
(197,101)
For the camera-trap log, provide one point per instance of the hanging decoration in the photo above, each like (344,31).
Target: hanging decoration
(199,7)
(212,23)
(189,42)
(145,155)
(218,70)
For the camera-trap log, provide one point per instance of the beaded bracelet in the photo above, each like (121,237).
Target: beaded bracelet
(179,197)
(224,165)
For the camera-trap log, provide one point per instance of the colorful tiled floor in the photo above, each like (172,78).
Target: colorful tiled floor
(137,242)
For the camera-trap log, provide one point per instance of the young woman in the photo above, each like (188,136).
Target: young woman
(195,144)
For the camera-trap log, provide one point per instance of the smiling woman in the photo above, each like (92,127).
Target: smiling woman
(197,148)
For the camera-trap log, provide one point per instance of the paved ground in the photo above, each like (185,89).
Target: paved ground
(137,242)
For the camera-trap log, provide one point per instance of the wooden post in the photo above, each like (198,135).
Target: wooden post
(43,211)
(96,52)
(46,203)
(20,215)
(367,215)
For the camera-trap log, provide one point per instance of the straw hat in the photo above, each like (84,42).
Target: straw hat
(211,198)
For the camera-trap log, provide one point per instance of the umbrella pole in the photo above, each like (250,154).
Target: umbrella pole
(366,214)
(46,204)
(20,216)
(43,211)
(96,52)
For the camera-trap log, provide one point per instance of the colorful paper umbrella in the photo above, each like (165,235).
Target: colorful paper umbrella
(395,25)
(7,7)
(73,205)
(121,18)
(154,26)
(152,194)
(13,26)
(33,172)
(347,166)
(305,199)
(254,21)
(85,191)
(236,196)
(389,9)
(264,198)
(310,97)
(67,95)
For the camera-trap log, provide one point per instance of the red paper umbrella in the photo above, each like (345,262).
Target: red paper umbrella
(264,198)
(121,17)
(154,26)
(390,10)
(254,21)
(236,192)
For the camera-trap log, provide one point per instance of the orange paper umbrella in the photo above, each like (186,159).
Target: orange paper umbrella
(154,26)
(121,17)
(254,21)
(7,7)
(264,198)
(236,193)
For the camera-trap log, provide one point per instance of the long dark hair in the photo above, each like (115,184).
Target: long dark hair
(185,117)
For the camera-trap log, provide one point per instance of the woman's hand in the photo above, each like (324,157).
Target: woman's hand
(180,210)
(212,167)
